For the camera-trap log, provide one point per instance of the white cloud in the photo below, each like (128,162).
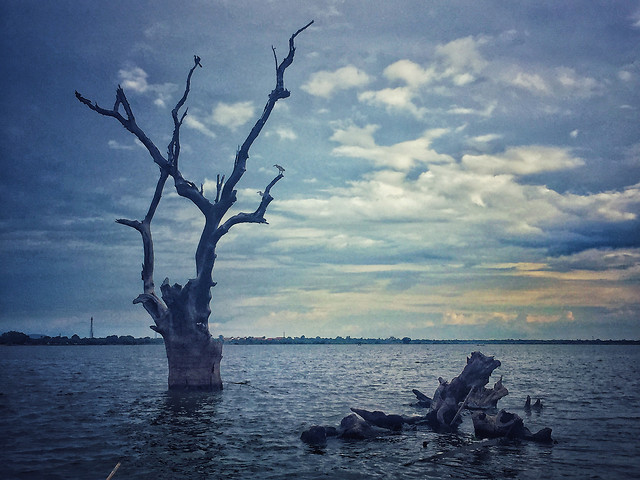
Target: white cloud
(625,75)
(393,98)
(356,136)
(192,122)
(135,79)
(476,318)
(467,205)
(232,115)
(115,145)
(550,82)
(523,161)
(486,138)
(565,317)
(576,84)
(325,83)
(486,112)
(461,60)
(529,81)
(359,143)
(282,133)
(458,61)
(410,73)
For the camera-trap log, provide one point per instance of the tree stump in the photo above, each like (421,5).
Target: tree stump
(443,413)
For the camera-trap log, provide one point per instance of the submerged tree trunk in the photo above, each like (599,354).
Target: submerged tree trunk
(193,354)
(194,365)
(181,316)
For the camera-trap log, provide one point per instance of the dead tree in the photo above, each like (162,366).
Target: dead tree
(181,313)
(445,409)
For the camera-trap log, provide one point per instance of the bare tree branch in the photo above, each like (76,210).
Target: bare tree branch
(154,306)
(276,94)
(129,123)
(174,145)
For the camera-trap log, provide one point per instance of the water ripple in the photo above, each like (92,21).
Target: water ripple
(74,412)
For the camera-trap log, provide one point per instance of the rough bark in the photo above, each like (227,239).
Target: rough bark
(181,315)
(486,398)
(506,425)
(444,411)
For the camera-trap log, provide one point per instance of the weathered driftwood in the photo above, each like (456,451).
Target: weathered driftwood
(467,390)
(381,419)
(506,425)
(486,398)
(181,313)
(537,406)
(113,472)
(423,400)
(352,427)
(445,405)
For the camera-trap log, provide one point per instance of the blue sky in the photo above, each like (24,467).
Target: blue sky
(454,169)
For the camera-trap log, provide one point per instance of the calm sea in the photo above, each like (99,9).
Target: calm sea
(74,412)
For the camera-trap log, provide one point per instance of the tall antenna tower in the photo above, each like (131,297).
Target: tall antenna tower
(91,331)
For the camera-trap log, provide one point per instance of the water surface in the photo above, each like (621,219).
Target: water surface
(74,412)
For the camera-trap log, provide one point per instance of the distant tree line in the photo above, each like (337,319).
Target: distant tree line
(302,340)
(19,338)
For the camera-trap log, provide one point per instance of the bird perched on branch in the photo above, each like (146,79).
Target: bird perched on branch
(260,193)
(280,169)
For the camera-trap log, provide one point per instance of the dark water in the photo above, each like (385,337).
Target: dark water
(74,412)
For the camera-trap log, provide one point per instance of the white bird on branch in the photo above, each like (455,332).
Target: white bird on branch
(280,169)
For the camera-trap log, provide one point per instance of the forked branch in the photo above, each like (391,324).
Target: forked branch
(276,94)
(174,146)
(128,122)
(149,299)
(213,212)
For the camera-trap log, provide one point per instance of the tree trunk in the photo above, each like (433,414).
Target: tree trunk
(182,319)
(194,362)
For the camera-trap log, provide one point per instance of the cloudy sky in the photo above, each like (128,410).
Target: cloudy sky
(454,169)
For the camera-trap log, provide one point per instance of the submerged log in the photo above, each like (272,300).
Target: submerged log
(506,425)
(381,419)
(467,390)
(354,427)
(315,435)
(475,375)
(360,425)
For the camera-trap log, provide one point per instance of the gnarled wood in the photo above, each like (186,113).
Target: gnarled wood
(181,315)
(507,425)
(475,375)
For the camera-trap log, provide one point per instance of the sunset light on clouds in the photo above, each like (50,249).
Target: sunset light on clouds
(453,169)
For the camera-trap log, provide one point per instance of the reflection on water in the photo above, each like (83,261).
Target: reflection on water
(74,412)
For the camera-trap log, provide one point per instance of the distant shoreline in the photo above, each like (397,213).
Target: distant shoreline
(19,338)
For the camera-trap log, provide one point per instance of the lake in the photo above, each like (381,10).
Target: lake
(74,412)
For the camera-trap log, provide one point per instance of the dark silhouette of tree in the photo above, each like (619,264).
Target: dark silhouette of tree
(181,314)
